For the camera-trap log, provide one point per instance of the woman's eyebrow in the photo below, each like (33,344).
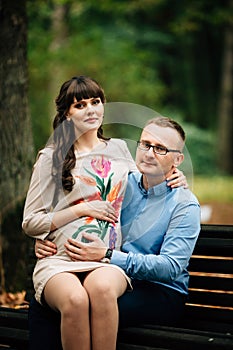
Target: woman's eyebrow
(87,99)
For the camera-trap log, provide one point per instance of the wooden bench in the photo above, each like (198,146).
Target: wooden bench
(208,321)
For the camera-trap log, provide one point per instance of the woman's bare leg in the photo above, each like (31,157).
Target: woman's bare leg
(64,293)
(104,286)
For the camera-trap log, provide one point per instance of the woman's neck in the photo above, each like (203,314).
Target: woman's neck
(87,141)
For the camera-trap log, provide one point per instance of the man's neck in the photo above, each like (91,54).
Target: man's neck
(149,182)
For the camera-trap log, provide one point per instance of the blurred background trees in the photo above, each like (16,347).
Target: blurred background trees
(172,56)
(168,55)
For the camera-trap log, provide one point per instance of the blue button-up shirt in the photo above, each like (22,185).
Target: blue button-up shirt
(160,228)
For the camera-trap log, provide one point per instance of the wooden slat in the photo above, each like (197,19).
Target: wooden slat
(210,246)
(210,314)
(14,318)
(205,297)
(14,337)
(211,281)
(121,346)
(214,264)
(172,338)
(215,231)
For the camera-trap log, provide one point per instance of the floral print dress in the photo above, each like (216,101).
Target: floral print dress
(99,175)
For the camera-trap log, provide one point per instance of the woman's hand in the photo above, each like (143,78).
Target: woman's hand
(44,248)
(93,251)
(177,179)
(98,209)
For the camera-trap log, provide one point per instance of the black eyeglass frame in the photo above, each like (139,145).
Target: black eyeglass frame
(149,146)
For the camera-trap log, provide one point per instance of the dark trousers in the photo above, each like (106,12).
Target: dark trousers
(149,303)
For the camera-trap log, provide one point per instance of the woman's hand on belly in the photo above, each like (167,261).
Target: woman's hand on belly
(44,248)
(98,209)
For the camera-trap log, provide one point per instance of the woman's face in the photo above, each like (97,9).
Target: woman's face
(86,114)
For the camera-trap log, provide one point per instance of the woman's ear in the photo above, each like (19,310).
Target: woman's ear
(68,118)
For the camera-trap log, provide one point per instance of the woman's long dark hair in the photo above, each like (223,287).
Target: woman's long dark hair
(80,87)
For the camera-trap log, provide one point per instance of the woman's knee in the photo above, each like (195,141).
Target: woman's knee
(65,293)
(75,303)
(104,285)
(101,290)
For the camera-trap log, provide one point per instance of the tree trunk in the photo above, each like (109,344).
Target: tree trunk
(16,144)
(59,38)
(225,139)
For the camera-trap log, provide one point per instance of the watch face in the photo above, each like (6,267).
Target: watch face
(108,254)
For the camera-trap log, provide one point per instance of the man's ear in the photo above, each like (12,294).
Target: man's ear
(178,159)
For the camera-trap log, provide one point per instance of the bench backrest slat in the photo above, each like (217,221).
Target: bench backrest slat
(211,264)
(211,275)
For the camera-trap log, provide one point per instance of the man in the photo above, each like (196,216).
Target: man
(160,226)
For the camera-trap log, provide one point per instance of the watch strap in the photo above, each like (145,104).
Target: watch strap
(107,257)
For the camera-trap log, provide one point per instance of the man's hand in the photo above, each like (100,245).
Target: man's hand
(79,251)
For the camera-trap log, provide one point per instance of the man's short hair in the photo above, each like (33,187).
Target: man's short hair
(169,123)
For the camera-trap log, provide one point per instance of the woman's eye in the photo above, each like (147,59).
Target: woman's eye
(79,105)
(96,101)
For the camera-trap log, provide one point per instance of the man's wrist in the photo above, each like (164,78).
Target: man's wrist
(107,256)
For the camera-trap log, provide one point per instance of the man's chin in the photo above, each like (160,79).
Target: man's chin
(139,168)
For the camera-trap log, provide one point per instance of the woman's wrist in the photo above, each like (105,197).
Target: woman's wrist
(80,210)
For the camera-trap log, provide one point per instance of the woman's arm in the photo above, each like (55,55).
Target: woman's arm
(102,210)
(37,216)
(39,219)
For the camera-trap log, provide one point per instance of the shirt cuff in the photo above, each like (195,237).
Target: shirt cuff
(119,258)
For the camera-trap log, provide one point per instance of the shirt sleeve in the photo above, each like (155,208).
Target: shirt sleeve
(37,216)
(176,249)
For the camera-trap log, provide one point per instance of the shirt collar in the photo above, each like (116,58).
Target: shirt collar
(156,190)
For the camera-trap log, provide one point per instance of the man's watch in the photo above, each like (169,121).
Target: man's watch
(108,255)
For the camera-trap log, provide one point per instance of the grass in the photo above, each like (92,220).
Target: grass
(217,189)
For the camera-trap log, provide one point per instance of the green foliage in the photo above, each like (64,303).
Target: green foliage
(153,53)
(201,145)
(214,188)
(104,50)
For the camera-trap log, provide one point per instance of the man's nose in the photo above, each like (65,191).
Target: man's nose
(150,152)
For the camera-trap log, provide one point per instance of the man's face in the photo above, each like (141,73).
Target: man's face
(155,166)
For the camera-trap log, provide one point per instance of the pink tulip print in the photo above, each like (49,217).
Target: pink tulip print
(102,179)
(101,166)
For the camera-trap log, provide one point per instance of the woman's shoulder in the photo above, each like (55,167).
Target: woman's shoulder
(118,142)
(45,153)
(47,150)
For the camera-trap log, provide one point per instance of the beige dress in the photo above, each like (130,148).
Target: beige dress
(101,174)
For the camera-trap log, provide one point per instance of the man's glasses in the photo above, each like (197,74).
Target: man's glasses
(145,146)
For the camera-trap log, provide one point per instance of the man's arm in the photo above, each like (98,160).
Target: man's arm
(175,252)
